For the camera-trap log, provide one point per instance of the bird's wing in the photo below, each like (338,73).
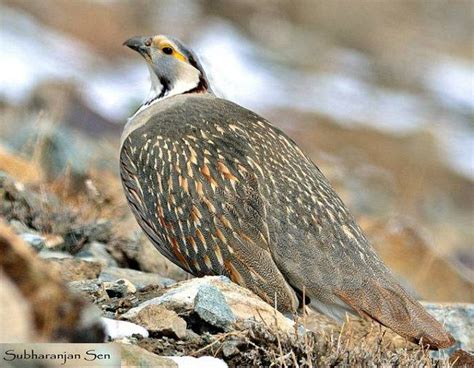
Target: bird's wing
(199,201)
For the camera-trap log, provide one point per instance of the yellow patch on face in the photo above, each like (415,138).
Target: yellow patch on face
(161,42)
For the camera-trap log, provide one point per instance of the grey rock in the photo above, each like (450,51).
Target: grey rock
(35,240)
(96,251)
(30,236)
(192,337)
(230,348)
(210,304)
(458,319)
(158,319)
(137,278)
(119,288)
(92,289)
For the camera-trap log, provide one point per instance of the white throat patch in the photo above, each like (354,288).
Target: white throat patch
(185,79)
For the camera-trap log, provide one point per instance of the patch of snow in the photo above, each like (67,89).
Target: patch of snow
(452,82)
(111,93)
(234,74)
(32,53)
(238,75)
(201,362)
(119,329)
(458,145)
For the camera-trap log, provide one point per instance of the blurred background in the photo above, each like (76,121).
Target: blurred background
(378,93)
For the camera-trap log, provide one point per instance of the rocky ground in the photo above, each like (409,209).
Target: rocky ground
(75,268)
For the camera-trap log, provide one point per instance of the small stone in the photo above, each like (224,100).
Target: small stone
(135,356)
(119,288)
(230,348)
(35,240)
(211,305)
(137,278)
(96,251)
(91,289)
(192,337)
(158,319)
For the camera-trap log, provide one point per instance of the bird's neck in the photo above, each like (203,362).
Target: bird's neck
(162,87)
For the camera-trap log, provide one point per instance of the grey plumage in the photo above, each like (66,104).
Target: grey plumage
(220,191)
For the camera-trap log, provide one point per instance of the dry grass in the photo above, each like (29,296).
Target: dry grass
(259,346)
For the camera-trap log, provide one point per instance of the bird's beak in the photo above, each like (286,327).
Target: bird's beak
(139,44)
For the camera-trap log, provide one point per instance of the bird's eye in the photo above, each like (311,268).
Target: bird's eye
(167,50)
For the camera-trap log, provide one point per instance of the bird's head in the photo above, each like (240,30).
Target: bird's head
(174,68)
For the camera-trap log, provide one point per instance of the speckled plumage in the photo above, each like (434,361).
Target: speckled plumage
(220,191)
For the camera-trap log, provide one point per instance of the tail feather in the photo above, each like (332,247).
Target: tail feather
(394,308)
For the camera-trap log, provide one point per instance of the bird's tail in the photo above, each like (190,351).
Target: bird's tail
(394,308)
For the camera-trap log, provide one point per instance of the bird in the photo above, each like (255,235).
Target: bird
(219,190)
